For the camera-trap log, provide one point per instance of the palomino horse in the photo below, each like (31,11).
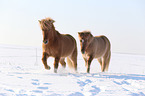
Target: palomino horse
(95,47)
(57,45)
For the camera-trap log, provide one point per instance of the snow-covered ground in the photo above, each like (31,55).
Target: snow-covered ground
(23,74)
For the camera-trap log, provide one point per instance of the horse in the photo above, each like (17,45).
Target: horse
(57,45)
(98,47)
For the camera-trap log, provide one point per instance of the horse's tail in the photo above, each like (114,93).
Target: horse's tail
(108,52)
(108,60)
(70,65)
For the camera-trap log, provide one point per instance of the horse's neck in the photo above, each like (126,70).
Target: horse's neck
(91,40)
(55,33)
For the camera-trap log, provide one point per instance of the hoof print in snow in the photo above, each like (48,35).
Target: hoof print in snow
(76,94)
(37,91)
(95,90)
(35,82)
(43,88)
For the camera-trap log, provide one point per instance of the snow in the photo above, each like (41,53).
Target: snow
(22,74)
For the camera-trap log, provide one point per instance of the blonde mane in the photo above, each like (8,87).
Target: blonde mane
(47,22)
(86,31)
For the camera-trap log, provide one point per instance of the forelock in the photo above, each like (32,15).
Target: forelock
(86,31)
(47,20)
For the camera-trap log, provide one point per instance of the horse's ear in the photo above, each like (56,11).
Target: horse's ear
(90,34)
(39,21)
(52,21)
(79,33)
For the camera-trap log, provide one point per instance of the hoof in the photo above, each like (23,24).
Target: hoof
(55,70)
(47,67)
(88,71)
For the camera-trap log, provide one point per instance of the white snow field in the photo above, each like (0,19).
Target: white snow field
(22,74)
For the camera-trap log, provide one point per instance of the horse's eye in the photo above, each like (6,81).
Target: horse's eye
(82,41)
(45,24)
(43,29)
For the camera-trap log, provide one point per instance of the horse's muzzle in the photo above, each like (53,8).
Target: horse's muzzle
(83,51)
(45,42)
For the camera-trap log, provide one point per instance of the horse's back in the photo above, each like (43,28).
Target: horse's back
(106,40)
(68,44)
(102,45)
(103,39)
(68,38)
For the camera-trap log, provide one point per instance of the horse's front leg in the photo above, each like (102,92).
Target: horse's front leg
(44,60)
(85,62)
(89,63)
(56,61)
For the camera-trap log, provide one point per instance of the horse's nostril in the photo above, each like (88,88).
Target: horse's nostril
(82,51)
(45,42)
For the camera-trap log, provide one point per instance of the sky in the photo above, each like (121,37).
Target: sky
(122,21)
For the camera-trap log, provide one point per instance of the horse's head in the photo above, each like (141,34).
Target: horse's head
(46,27)
(84,38)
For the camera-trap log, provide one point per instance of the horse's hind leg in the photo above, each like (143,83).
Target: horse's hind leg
(100,61)
(85,62)
(56,61)
(44,60)
(62,62)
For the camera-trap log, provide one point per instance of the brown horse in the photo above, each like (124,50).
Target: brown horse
(57,45)
(95,47)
